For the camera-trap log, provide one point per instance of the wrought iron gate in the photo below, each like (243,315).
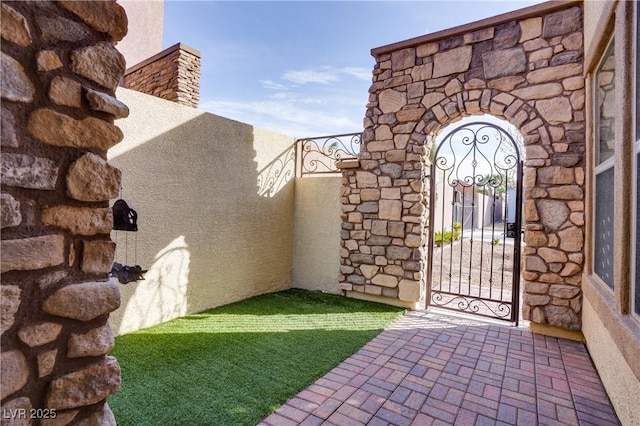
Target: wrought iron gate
(475,222)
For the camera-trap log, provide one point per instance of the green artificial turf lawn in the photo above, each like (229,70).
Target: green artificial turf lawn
(235,364)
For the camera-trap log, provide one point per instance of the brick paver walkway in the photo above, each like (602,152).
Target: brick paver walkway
(435,369)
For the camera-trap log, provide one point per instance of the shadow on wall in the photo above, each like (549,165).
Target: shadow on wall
(161,296)
(276,175)
(219,191)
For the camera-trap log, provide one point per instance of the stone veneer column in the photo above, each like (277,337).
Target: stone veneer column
(526,70)
(173,74)
(60,70)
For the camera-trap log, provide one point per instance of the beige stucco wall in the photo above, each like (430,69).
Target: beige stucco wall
(208,233)
(317,233)
(144,37)
(444,205)
(622,386)
(593,10)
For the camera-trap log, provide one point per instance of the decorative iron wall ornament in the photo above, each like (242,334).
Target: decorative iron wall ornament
(475,222)
(124,217)
(319,155)
(126,274)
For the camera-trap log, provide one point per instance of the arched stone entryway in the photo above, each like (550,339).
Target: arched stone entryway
(524,67)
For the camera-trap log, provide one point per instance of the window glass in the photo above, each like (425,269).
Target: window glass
(605,106)
(603,250)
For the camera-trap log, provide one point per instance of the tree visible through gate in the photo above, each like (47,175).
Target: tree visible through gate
(475,218)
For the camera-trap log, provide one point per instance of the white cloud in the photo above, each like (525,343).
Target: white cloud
(293,117)
(283,95)
(357,72)
(270,84)
(326,75)
(335,105)
(310,76)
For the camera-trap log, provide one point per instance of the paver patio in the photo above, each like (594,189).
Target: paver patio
(432,368)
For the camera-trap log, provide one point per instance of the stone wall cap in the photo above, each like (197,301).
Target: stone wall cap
(349,163)
(162,54)
(524,13)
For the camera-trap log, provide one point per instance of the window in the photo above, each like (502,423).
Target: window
(605,105)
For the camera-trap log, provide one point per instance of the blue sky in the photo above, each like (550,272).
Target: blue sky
(303,68)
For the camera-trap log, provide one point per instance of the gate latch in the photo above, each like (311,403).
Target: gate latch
(511,229)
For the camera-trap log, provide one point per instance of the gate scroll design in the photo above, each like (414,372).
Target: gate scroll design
(475,222)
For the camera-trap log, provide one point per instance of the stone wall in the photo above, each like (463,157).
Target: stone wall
(59,73)
(173,74)
(526,68)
